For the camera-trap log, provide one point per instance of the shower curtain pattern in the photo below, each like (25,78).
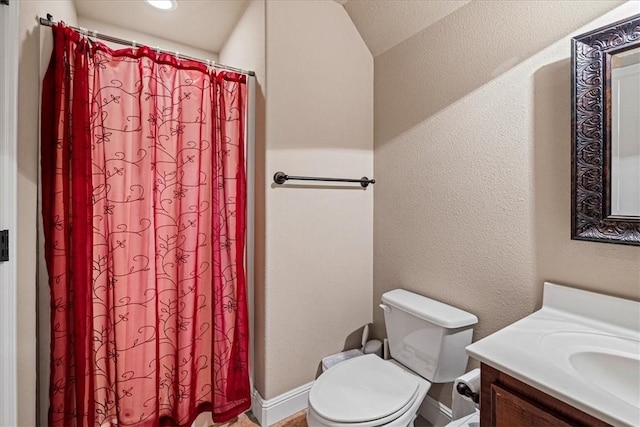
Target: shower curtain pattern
(144,219)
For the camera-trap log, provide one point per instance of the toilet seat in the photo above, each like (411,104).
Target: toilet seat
(365,391)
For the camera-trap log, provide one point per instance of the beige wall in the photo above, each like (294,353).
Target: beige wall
(313,246)
(472,157)
(246,49)
(28,134)
(318,254)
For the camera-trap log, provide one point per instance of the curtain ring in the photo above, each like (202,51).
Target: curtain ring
(84,31)
(133,44)
(94,34)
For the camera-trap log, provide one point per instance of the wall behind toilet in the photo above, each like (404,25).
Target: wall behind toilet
(317,281)
(472,160)
(313,244)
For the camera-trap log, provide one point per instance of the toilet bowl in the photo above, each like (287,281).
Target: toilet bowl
(366,391)
(426,343)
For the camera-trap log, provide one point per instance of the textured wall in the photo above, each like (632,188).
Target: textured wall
(472,153)
(318,256)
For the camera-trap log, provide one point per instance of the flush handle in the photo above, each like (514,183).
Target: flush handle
(386,308)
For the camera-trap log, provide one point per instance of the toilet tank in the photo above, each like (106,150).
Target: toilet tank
(427,336)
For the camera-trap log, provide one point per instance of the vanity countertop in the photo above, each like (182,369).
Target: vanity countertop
(581,347)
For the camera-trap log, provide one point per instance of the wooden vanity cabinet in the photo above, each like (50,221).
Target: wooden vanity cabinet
(508,402)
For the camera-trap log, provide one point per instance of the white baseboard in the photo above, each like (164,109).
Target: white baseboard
(270,411)
(435,412)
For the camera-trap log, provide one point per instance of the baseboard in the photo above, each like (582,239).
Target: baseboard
(270,411)
(435,412)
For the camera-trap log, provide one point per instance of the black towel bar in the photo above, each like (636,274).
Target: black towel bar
(281,178)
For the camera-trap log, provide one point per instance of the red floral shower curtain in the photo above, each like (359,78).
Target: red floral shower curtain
(143,188)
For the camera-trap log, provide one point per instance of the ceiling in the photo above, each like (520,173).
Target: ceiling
(383,24)
(206,24)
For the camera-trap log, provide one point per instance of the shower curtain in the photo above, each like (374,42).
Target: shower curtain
(144,192)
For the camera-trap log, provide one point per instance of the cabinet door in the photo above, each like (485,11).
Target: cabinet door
(510,410)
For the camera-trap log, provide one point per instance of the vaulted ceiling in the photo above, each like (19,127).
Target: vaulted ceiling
(206,24)
(383,24)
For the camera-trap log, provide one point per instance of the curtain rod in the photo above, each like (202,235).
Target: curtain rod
(48,21)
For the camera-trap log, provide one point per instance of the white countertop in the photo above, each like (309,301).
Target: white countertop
(539,350)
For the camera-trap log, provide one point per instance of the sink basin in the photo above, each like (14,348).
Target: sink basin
(618,374)
(609,362)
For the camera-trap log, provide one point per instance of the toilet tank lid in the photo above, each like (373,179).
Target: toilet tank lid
(428,309)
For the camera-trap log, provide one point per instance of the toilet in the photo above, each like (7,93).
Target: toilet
(427,341)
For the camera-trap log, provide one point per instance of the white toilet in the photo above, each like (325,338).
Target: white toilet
(427,341)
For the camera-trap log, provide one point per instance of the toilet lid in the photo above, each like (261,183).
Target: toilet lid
(362,389)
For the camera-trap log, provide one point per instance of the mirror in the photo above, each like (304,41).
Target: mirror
(625,133)
(606,134)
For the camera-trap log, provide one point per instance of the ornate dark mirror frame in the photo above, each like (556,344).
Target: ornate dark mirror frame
(591,54)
